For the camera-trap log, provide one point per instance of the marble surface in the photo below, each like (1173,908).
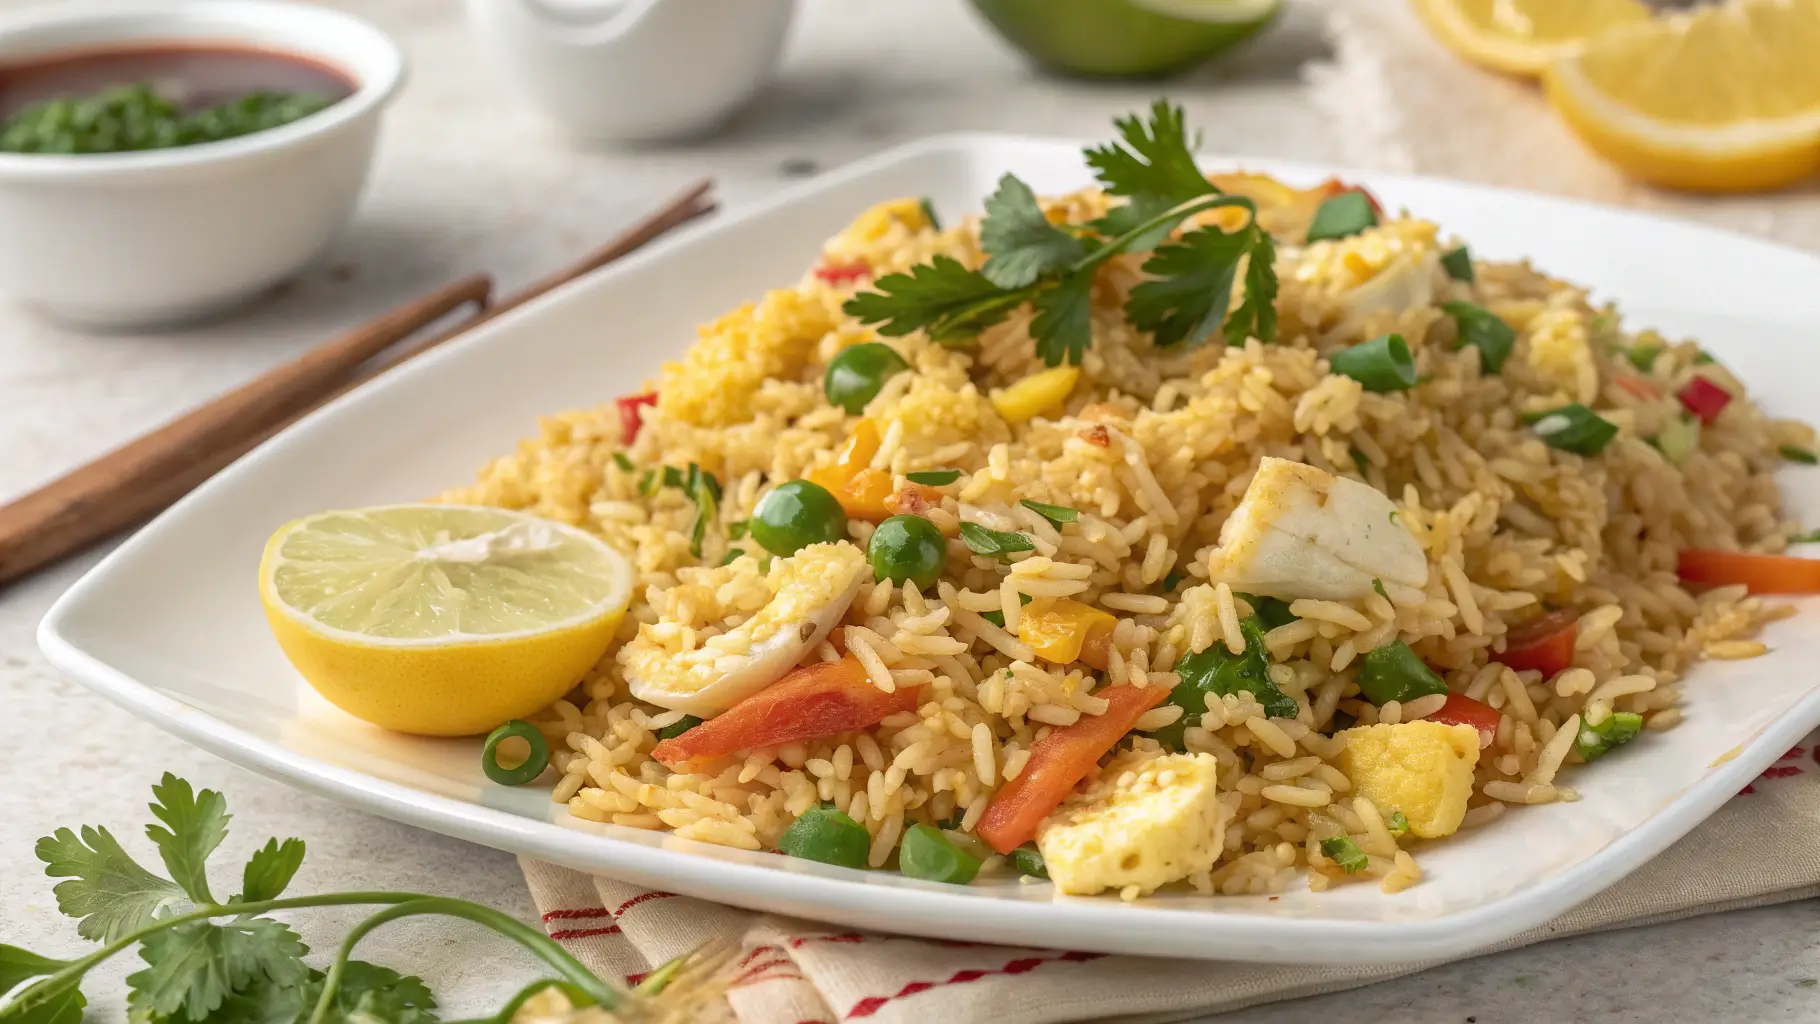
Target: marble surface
(470,179)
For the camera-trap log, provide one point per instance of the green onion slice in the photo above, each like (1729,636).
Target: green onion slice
(1056,514)
(928,854)
(1801,455)
(928,207)
(1028,860)
(677,728)
(1342,216)
(1482,329)
(1342,850)
(1574,428)
(1458,264)
(527,770)
(1381,364)
(934,477)
(620,460)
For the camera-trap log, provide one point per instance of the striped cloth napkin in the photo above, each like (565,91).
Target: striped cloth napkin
(1387,89)
(797,972)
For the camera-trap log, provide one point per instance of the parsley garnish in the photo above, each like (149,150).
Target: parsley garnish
(934,477)
(1029,260)
(226,961)
(994,543)
(1056,514)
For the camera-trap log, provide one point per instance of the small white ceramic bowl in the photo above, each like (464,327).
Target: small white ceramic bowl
(120,240)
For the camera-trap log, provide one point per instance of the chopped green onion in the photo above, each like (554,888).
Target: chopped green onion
(620,460)
(1271,611)
(1595,741)
(827,835)
(1344,852)
(1381,364)
(737,528)
(732,555)
(1393,672)
(1056,514)
(1171,580)
(934,477)
(1363,463)
(1028,860)
(929,855)
(1378,585)
(1604,323)
(994,543)
(1810,537)
(1703,357)
(525,771)
(1678,439)
(1643,355)
(701,486)
(673,477)
(1801,455)
(677,728)
(1342,216)
(1574,428)
(1398,824)
(998,618)
(1458,264)
(928,207)
(649,484)
(1482,329)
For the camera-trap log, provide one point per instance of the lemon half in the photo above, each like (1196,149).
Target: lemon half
(1522,37)
(1722,98)
(441,620)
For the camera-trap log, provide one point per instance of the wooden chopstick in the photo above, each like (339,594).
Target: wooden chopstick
(148,474)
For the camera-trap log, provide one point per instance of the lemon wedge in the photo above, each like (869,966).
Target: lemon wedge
(441,620)
(1722,98)
(1522,37)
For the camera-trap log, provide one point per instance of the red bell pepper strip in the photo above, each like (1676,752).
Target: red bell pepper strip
(1545,643)
(807,703)
(1060,761)
(630,422)
(843,273)
(1704,399)
(1762,574)
(1463,710)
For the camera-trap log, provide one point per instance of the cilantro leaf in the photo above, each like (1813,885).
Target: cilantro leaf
(1056,514)
(270,870)
(374,993)
(1063,325)
(1020,243)
(994,543)
(62,1006)
(195,967)
(1133,215)
(1152,159)
(1192,290)
(196,823)
(18,966)
(942,297)
(1256,316)
(107,890)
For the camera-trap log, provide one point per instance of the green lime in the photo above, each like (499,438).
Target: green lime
(1126,38)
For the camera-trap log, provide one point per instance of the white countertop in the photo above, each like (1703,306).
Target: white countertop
(469,179)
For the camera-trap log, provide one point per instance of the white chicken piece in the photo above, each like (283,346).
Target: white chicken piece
(1149,819)
(1301,532)
(808,594)
(1406,282)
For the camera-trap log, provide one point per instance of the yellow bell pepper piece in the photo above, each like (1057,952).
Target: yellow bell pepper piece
(872,225)
(860,489)
(1068,631)
(1036,394)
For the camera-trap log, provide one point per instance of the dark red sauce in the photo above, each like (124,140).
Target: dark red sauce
(192,75)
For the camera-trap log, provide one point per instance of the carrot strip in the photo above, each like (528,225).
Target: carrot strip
(1762,574)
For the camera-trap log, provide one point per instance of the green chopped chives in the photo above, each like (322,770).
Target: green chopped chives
(1381,364)
(1342,850)
(1574,428)
(1801,455)
(1458,264)
(1483,330)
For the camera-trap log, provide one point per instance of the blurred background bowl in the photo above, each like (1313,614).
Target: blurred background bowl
(136,239)
(1126,38)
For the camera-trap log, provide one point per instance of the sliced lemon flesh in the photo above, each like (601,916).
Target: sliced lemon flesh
(1522,37)
(1721,98)
(441,620)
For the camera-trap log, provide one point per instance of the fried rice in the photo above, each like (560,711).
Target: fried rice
(1155,449)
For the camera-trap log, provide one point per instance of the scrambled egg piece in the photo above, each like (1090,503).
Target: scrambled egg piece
(1423,769)
(718,377)
(708,664)
(1388,268)
(1560,353)
(1303,532)
(1148,820)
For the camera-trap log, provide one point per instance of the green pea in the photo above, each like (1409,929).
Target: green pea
(827,835)
(907,548)
(855,376)
(796,514)
(931,856)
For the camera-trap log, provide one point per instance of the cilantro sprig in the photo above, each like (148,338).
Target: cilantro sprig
(217,962)
(1031,261)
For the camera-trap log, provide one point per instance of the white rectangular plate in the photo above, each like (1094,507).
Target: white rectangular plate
(170,627)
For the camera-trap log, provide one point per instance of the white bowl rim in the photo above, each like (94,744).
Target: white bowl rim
(373,88)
